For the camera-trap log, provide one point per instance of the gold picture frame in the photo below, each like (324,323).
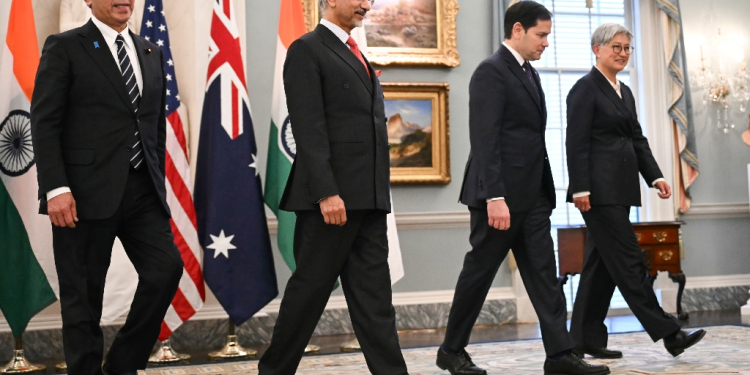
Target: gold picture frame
(418,132)
(440,39)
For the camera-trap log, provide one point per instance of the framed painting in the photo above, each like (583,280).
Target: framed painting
(405,32)
(418,132)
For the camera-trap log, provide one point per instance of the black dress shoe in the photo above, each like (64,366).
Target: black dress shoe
(601,353)
(457,363)
(677,342)
(572,365)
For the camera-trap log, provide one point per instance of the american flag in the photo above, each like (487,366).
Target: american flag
(191,293)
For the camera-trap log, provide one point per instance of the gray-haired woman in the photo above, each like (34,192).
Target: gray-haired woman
(606,151)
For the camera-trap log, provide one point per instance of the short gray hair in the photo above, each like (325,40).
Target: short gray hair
(606,32)
(323,4)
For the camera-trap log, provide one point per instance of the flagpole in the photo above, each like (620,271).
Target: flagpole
(18,364)
(233,349)
(166,354)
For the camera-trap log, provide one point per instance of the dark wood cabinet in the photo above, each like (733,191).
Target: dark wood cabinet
(660,242)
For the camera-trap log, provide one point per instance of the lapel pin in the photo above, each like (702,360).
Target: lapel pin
(96,44)
(148,50)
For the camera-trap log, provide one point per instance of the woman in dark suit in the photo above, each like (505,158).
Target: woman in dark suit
(606,151)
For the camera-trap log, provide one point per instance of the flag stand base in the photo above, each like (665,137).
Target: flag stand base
(312,349)
(61,367)
(19,365)
(165,354)
(232,350)
(351,346)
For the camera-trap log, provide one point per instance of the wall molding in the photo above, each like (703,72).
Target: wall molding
(461,219)
(718,211)
(414,220)
(212,311)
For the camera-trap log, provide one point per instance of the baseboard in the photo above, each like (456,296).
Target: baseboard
(721,281)
(216,312)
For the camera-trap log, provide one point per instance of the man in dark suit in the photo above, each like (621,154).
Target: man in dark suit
(606,151)
(98,130)
(339,190)
(510,193)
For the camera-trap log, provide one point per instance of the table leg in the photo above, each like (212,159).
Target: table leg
(679,278)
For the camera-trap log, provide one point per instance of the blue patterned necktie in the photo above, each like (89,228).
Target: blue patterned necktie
(530,74)
(131,86)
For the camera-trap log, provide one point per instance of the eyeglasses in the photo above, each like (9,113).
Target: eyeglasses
(618,48)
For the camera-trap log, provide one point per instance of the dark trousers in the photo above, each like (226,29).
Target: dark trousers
(82,258)
(358,253)
(529,237)
(614,258)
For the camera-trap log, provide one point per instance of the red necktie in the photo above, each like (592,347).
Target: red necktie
(355,50)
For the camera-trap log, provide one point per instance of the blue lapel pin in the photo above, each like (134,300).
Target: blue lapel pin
(96,44)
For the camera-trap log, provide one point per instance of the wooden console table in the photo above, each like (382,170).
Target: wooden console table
(660,242)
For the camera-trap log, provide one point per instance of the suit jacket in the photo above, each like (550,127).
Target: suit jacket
(338,120)
(605,143)
(82,120)
(507,121)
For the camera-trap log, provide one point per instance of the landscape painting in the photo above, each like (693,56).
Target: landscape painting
(410,132)
(417,132)
(402,24)
(404,32)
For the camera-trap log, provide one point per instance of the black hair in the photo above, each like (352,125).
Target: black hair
(528,13)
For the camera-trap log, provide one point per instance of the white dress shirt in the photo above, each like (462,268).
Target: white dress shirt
(521,61)
(336,30)
(616,86)
(110,35)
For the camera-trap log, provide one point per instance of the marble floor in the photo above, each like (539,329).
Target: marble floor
(481,334)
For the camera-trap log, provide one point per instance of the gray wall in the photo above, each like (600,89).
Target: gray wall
(432,258)
(718,246)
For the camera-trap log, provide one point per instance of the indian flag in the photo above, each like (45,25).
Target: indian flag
(282,149)
(28,281)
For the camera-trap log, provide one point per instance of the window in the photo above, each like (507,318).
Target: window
(567,59)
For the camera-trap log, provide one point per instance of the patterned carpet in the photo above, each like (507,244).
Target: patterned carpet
(724,350)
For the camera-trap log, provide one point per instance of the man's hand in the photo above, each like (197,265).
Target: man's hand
(664,190)
(333,210)
(62,210)
(582,203)
(499,215)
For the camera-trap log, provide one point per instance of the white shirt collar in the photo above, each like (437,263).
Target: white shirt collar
(336,30)
(110,34)
(615,85)
(515,53)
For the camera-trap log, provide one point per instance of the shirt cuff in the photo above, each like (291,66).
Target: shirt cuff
(495,199)
(55,192)
(653,184)
(581,194)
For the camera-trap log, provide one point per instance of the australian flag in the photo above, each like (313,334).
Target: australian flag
(237,260)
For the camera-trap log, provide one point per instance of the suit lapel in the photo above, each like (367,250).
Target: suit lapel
(147,72)
(103,58)
(610,92)
(332,42)
(521,75)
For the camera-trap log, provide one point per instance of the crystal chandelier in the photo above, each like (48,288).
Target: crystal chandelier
(724,82)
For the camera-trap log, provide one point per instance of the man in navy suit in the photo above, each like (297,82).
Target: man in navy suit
(99,130)
(510,193)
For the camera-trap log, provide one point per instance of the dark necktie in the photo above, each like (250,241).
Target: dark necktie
(530,75)
(131,86)
(355,50)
